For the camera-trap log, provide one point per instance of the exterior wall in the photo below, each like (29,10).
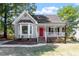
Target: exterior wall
(35,33)
(51,38)
(16,30)
(32,35)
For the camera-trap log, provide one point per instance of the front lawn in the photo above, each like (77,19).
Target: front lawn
(64,50)
(47,50)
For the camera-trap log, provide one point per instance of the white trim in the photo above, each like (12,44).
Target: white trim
(14,22)
(45,34)
(60,28)
(54,30)
(37,33)
(20,30)
(28,30)
(55,34)
(61,34)
(31,17)
(18,18)
(29,35)
(32,29)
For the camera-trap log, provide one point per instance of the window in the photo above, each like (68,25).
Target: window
(24,29)
(57,29)
(50,29)
(63,29)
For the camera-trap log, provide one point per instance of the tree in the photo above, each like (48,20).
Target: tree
(70,14)
(10,10)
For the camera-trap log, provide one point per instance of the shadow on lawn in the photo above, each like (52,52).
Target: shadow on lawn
(30,51)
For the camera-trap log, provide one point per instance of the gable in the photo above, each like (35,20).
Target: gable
(24,16)
(24,21)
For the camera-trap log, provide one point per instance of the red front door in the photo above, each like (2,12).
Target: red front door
(41,32)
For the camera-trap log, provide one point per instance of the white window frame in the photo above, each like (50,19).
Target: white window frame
(52,29)
(29,29)
(22,30)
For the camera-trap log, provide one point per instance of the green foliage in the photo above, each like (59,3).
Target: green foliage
(70,14)
(13,10)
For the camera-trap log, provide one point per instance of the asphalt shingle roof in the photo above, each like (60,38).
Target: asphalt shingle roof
(41,18)
(47,19)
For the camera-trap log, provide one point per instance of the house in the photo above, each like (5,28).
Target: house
(40,27)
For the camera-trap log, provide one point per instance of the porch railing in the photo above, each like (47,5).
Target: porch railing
(55,34)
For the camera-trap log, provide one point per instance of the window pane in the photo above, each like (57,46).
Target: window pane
(24,29)
(50,29)
(63,29)
(57,29)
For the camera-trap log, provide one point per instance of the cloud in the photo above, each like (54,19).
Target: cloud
(47,10)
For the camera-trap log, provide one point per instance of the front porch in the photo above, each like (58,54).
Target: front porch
(41,32)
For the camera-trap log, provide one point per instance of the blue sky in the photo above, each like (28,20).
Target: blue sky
(51,8)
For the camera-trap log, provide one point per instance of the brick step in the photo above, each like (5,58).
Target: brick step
(41,40)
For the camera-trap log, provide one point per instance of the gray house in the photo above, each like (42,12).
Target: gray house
(38,27)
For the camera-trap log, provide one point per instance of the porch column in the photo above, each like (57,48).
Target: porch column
(28,30)
(45,34)
(60,31)
(20,30)
(37,32)
(54,31)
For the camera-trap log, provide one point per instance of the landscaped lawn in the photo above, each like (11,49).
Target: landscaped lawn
(47,50)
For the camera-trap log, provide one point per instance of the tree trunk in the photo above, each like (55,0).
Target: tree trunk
(5,23)
(65,35)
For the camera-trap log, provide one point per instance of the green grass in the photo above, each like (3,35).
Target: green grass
(64,50)
(68,49)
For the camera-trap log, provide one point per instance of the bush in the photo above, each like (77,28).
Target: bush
(10,37)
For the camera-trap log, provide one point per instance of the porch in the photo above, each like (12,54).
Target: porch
(41,32)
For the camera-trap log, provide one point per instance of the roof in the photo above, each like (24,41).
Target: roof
(37,18)
(55,19)
(47,19)
(24,14)
(41,18)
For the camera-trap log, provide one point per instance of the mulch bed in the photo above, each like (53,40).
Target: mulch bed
(26,42)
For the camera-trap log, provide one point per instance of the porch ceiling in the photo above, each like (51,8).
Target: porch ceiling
(52,24)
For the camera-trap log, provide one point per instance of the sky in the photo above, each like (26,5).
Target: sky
(51,8)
